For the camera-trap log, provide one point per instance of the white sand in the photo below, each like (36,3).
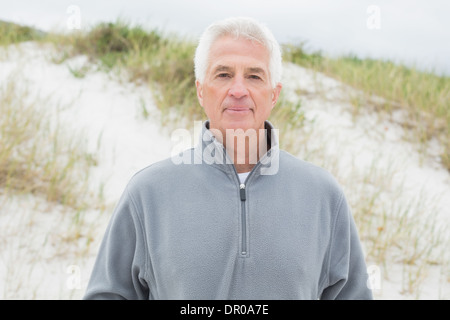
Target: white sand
(40,258)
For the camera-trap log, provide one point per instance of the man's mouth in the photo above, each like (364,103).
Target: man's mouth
(238,110)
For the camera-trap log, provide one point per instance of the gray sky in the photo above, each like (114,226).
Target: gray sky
(414,31)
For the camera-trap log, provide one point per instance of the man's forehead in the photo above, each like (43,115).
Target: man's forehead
(229,53)
(227,45)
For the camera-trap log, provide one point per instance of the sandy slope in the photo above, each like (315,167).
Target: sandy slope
(40,259)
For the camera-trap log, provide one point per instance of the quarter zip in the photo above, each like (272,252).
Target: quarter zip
(243,220)
(243,197)
(243,252)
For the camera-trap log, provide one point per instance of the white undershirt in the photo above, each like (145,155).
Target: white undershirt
(243,176)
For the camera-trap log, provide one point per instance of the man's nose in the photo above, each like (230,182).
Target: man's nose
(238,88)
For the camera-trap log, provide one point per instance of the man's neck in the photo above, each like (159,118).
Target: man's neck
(242,168)
(245,148)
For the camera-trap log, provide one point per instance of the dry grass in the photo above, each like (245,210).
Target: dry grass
(36,155)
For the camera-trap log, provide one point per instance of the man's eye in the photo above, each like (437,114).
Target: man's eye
(223,75)
(255,77)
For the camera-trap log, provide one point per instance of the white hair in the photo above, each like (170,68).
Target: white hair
(247,28)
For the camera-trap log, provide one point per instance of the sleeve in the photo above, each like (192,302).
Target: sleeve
(119,271)
(347,271)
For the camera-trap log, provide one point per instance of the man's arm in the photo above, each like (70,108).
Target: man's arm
(347,271)
(119,270)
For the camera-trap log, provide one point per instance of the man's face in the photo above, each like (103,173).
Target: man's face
(237,92)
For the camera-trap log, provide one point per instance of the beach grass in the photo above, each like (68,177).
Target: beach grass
(11,33)
(422,97)
(37,155)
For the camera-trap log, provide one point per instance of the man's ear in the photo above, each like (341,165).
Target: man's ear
(276,93)
(199,92)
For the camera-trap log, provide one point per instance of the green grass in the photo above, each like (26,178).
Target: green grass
(11,33)
(423,96)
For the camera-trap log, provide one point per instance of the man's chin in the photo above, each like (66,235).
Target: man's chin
(238,120)
(239,125)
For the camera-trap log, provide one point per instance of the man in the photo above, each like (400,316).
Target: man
(237,218)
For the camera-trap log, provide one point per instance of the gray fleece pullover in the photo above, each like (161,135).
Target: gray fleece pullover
(186,228)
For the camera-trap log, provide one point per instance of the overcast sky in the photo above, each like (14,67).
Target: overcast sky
(414,31)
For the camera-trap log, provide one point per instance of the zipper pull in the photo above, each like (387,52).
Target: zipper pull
(242,191)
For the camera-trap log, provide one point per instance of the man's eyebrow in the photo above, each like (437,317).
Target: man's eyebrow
(256,70)
(221,68)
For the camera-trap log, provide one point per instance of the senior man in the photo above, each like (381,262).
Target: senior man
(241,219)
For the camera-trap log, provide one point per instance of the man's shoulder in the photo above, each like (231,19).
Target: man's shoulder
(303,166)
(157,171)
(166,171)
(307,172)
